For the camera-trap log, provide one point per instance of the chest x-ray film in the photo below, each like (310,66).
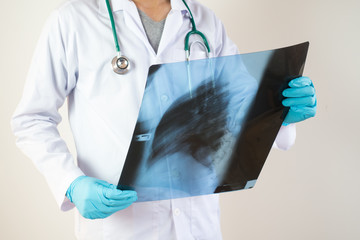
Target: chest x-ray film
(207,126)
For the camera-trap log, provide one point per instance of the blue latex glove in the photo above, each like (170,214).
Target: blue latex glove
(96,198)
(301,98)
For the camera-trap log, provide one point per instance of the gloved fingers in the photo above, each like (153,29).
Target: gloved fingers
(112,209)
(299,92)
(300,82)
(116,194)
(118,202)
(299,114)
(104,183)
(103,207)
(115,197)
(108,190)
(300,101)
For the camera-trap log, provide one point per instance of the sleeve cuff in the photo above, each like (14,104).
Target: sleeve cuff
(60,196)
(286,137)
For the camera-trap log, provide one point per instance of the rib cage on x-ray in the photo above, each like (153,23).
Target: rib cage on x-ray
(207,126)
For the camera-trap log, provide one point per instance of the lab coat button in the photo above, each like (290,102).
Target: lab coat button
(175,174)
(177,212)
(164,97)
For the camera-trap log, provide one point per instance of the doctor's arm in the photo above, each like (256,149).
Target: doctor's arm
(35,120)
(301,100)
(51,78)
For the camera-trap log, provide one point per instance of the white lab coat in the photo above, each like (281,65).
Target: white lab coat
(72,60)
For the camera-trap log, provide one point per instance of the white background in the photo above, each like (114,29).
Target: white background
(309,192)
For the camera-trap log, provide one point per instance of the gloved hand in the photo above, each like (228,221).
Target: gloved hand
(301,99)
(96,198)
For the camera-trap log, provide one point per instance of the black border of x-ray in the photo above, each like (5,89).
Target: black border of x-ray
(265,117)
(262,123)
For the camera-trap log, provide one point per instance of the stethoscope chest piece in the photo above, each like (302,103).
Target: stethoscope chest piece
(120,64)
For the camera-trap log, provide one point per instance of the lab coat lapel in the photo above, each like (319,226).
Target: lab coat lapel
(172,26)
(133,21)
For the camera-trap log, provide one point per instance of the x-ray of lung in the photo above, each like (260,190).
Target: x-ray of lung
(207,126)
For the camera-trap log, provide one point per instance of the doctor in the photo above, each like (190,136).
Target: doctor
(73,61)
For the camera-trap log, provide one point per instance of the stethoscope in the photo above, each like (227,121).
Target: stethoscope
(121,64)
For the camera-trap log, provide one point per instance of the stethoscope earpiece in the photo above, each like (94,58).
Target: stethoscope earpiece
(120,64)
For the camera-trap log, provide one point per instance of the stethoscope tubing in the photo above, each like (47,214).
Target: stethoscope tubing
(113,27)
(119,70)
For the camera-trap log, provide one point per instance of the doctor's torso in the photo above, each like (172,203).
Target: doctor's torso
(73,61)
(103,100)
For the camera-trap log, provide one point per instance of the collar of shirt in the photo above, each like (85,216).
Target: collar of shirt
(118,5)
(131,18)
